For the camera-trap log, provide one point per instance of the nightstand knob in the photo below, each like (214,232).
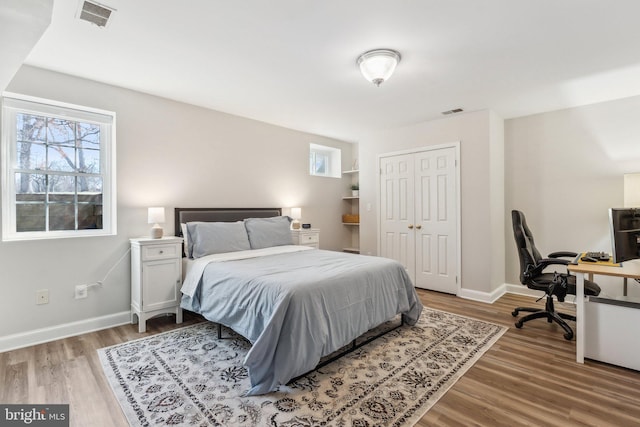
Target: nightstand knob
(161,252)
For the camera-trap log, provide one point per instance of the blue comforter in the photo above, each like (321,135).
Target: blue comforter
(296,307)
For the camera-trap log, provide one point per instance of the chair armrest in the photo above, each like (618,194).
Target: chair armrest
(545,262)
(562,254)
(532,271)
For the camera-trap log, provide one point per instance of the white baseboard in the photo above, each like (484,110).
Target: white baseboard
(488,297)
(52,333)
(491,297)
(523,290)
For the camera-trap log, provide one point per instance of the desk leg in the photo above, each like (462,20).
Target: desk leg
(580,317)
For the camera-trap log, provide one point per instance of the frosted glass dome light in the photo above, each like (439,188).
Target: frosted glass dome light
(378,65)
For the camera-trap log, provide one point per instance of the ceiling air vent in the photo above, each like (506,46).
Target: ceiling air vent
(95,13)
(455,110)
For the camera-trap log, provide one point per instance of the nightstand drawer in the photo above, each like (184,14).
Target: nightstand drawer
(151,252)
(309,238)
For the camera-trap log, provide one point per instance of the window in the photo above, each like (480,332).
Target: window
(324,161)
(58,177)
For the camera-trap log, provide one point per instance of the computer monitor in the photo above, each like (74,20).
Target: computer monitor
(625,233)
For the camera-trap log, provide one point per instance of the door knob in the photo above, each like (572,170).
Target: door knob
(418,226)
(410,226)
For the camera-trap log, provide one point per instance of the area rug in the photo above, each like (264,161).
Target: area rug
(190,377)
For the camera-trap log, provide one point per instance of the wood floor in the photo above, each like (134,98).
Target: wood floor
(529,377)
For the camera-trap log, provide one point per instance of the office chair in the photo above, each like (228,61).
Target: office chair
(532,276)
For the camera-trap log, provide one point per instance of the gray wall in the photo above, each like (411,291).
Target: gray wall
(564,171)
(168,154)
(482,191)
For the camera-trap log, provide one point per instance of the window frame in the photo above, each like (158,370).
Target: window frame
(333,160)
(13,104)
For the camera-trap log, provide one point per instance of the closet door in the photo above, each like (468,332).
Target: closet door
(435,220)
(419,216)
(397,234)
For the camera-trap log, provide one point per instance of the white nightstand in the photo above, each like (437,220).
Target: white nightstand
(156,278)
(306,237)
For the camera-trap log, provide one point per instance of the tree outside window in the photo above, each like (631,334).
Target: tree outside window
(58,169)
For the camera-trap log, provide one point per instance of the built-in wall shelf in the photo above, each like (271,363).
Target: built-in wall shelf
(351,210)
(351,250)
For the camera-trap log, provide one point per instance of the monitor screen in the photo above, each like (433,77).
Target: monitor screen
(625,233)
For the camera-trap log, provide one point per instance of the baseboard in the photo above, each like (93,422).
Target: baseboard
(39,336)
(523,290)
(52,333)
(488,297)
(506,288)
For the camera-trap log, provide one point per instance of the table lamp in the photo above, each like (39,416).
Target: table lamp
(156,217)
(296,214)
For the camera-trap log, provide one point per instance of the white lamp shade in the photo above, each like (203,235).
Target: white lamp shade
(378,65)
(156,216)
(296,213)
(632,190)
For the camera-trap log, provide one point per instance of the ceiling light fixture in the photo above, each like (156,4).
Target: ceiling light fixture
(377,65)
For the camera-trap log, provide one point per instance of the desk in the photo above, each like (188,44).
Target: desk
(628,270)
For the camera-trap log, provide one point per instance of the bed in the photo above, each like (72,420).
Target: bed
(295,304)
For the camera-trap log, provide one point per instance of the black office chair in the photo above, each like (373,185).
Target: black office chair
(532,276)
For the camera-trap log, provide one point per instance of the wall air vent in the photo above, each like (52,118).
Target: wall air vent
(455,110)
(95,13)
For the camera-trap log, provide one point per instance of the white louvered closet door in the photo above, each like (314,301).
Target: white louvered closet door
(419,216)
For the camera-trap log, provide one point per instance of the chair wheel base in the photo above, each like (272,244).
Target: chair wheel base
(550,314)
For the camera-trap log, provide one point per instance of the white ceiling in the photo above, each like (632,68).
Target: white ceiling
(292,62)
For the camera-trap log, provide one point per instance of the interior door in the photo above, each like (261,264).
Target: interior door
(436,220)
(419,216)
(397,236)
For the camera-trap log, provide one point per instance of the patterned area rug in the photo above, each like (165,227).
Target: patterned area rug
(189,377)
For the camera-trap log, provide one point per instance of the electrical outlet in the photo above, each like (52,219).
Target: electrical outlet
(81,291)
(42,296)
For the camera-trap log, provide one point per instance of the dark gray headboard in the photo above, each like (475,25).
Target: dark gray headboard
(184,215)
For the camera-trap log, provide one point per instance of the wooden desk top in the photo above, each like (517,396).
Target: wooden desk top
(630,269)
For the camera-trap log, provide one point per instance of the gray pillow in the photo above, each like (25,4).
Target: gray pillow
(267,232)
(207,238)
